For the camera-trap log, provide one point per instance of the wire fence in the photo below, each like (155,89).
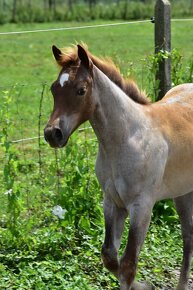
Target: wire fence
(88,26)
(37,171)
(41,136)
(75,27)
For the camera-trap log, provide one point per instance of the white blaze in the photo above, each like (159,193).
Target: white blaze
(63,78)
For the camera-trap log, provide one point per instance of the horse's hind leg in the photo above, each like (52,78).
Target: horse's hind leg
(184,206)
(114,224)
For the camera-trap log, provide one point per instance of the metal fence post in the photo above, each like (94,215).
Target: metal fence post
(163,42)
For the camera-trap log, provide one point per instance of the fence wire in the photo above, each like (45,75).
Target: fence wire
(88,26)
(74,27)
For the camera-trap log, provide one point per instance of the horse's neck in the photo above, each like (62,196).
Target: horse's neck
(116,115)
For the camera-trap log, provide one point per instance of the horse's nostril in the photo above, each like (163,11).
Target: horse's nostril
(57,134)
(47,133)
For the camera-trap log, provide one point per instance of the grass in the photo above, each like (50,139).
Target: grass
(44,252)
(31,53)
(28,59)
(63,258)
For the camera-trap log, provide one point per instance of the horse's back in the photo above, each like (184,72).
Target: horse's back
(181,94)
(176,108)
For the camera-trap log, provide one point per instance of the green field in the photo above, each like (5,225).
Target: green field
(27,58)
(38,251)
(31,53)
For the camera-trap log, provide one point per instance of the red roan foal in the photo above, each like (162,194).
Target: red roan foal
(145,152)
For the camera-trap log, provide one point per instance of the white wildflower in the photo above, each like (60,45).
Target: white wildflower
(59,211)
(9,191)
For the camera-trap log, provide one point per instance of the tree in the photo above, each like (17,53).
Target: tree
(52,5)
(91,3)
(70,5)
(14,11)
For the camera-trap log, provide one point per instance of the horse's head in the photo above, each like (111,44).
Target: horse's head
(72,96)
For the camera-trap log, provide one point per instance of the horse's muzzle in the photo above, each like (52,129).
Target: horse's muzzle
(55,137)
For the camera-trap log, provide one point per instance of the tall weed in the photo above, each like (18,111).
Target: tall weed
(181,70)
(12,190)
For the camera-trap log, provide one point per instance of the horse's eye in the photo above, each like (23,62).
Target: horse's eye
(81,91)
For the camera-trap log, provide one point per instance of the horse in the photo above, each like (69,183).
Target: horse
(145,152)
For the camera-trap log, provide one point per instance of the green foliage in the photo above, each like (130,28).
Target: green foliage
(64,257)
(4,17)
(10,167)
(32,14)
(181,70)
(37,11)
(161,254)
(78,191)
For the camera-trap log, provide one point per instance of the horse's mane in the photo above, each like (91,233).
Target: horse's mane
(107,66)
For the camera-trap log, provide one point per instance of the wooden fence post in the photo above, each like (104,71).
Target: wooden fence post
(163,42)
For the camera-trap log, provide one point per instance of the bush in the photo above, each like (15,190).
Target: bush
(81,11)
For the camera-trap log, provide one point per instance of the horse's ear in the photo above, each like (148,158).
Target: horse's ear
(57,53)
(83,56)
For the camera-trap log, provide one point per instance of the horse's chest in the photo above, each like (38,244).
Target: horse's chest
(121,190)
(107,180)
(116,184)
(110,189)
(131,175)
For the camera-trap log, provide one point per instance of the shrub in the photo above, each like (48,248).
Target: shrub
(4,17)
(81,11)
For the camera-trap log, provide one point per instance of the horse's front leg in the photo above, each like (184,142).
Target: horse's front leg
(140,215)
(114,224)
